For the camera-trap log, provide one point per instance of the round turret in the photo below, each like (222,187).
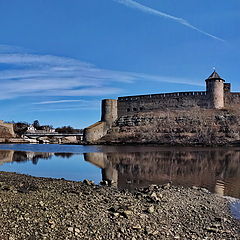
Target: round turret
(215,90)
(109,111)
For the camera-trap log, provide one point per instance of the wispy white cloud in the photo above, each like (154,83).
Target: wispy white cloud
(143,8)
(65,109)
(59,101)
(4,48)
(65,105)
(35,75)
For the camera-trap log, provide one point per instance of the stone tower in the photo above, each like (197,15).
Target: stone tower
(215,91)
(109,111)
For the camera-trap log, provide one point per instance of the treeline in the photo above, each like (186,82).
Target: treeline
(68,129)
(21,128)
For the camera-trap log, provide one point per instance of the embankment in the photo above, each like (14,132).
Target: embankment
(183,127)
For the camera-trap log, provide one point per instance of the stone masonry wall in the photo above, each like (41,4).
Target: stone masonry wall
(6,130)
(145,103)
(232,100)
(95,132)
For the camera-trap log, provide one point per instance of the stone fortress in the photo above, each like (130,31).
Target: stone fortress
(217,96)
(6,131)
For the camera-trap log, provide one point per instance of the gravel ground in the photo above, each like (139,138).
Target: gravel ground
(41,208)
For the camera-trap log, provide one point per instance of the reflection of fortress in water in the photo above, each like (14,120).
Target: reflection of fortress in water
(21,156)
(217,170)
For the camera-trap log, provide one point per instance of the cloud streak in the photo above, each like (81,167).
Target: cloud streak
(66,105)
(143,8)
(59,101)
(23,75)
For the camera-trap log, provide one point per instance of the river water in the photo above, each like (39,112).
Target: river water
(217,169)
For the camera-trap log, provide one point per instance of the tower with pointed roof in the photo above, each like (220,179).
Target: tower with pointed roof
(215,90)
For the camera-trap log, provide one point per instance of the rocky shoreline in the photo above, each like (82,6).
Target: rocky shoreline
(43,208)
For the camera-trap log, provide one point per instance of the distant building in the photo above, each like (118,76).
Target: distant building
(31,129)
(42,129)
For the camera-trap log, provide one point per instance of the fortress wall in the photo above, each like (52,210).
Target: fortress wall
(95,132)
(6,130)
(232,99)
(144,103)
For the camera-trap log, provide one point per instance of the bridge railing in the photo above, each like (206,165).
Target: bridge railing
(52,134)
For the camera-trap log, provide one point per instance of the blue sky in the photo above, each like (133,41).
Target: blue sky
(59,58)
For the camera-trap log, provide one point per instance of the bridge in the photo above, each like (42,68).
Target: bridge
(53,134)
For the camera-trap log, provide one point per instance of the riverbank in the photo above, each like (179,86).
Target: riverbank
(40,208)
(195,127)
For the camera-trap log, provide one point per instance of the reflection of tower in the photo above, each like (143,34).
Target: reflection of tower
(109,173)
(219,187)
(6,156)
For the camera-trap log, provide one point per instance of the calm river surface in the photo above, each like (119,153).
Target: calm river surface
(217,169)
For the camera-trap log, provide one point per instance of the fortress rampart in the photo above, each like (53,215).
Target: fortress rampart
(145,103)
(6,130)
(218,95)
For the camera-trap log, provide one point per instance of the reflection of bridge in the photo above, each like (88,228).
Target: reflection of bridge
(53,134)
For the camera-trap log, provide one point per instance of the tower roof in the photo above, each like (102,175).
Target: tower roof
(214,76)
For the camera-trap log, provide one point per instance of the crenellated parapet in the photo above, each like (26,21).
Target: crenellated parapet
(160,96)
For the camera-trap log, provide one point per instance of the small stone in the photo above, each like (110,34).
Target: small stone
(143,216)
(151,209)
(218,219)
(216,225)
(112,209)
(87,182)
(212,229)
(136,227)
(167,186)
(154,195)
(70,229)
(155,232)
(205,190)
(152,187)
(77,230)
(148,230)
(127,213)
(5,188)
(104,183)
